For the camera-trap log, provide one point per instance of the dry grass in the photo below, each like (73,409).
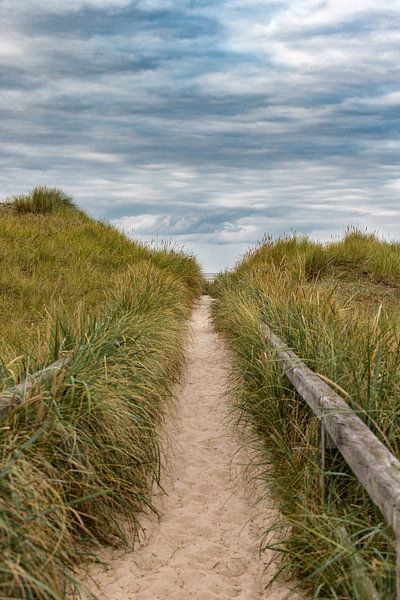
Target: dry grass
(79,457)
(336,306)
(43,201)
(63,262)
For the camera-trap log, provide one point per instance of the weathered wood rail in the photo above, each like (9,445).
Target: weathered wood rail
(14,396)
(371,462)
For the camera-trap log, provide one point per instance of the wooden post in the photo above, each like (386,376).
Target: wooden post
(398,564)
(323,462)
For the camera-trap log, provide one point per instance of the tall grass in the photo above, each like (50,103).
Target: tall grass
(335,306)
(62,260)
(80,456)
(43,200)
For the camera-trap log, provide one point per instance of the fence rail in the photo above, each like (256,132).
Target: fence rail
(372,463)
(14,396)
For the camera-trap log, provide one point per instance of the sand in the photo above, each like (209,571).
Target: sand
(206,543)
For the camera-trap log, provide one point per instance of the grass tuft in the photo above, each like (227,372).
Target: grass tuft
(42,200)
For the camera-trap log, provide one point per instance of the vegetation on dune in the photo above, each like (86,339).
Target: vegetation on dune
(335,305)
(61,262)
(79,457)
(42,201)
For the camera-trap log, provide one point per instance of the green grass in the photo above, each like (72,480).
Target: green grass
(336,306)
(42,201)
(65,262)
(80,456)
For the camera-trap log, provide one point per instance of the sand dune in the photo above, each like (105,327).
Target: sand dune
(205,545)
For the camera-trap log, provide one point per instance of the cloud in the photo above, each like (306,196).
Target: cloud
(60,6)
(209,123)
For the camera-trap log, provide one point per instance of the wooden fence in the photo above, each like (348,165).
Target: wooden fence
(13,396)
(374,466)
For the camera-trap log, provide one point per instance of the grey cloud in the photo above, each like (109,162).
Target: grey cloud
(206,121)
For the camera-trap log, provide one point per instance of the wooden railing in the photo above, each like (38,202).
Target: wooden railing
(371,462)
(14,396)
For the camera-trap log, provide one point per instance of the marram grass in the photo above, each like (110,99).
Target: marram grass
(80,456)
(41,201)
(336,306)
(63,260)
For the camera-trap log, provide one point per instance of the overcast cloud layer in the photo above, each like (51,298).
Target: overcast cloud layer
(210,122)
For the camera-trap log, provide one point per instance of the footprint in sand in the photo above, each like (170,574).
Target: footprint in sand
(205,547)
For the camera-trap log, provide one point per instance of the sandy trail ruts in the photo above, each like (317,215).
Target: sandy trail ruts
(205,546)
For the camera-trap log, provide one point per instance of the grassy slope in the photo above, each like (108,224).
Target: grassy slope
(336,306)
(65,262)
(79,457)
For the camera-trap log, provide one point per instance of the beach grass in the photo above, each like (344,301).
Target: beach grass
(81,455)
(336,306)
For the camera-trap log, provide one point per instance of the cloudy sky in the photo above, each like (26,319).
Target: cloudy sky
(207,122)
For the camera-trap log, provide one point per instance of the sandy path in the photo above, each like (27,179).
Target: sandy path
(205,546)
